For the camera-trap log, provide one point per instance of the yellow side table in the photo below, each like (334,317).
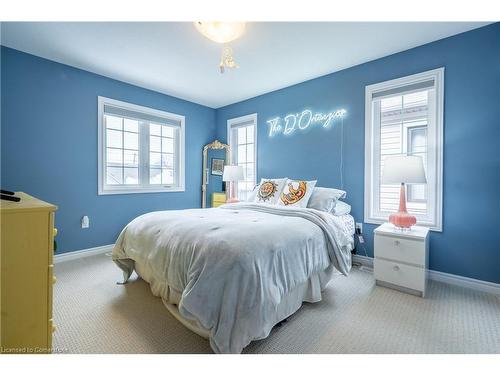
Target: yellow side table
(218,199)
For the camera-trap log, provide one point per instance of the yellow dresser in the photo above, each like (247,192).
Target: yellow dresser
(27,242)
(218,199)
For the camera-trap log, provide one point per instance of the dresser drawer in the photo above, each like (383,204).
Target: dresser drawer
(400,274)
(400,249)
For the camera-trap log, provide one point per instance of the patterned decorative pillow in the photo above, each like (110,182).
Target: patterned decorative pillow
(296,193)
(269,190)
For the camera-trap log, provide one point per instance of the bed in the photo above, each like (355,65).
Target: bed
(232,273)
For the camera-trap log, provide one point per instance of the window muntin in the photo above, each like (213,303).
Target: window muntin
(122,151)
(404,116)
(162,160)
(140,149)
(242,134)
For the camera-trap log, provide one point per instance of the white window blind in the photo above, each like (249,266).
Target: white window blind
(140,149)
(242,135)
(404,116)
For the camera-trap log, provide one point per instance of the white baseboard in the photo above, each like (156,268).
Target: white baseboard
(447,278)
(64,257)
(467,282)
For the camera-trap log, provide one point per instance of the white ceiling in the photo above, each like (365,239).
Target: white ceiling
(173,58)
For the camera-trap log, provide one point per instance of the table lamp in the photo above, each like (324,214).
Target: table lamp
(403,169)
(232,173)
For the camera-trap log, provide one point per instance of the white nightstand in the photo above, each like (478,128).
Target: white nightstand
(402,258)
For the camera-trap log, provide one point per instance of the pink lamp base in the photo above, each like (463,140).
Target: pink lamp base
(232,196)
(402,219)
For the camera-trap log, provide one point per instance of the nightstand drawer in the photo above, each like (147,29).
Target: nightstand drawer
(400,274)
(400,249)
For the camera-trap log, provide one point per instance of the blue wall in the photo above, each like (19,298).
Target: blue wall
(470,242)
(49,146)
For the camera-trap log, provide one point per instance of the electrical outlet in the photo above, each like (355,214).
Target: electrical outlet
(85,222)
(360,227)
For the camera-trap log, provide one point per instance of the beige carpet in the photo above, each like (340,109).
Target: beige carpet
(94,315)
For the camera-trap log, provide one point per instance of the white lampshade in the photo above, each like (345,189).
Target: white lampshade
(233,173)
(407,169)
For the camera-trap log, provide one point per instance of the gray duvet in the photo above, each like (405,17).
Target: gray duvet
(233,264)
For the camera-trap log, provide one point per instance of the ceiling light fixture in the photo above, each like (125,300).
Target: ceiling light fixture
(222,32)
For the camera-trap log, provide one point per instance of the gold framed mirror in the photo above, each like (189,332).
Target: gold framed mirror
(208,173)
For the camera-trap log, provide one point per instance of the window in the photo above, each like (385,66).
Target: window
(405,116)
(242,135)
(141,150)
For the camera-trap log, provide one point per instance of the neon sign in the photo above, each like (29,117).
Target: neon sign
(303,120)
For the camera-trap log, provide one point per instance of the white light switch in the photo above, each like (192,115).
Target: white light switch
(85,222)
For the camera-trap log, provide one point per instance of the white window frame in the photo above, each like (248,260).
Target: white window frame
(105,189)
(435,127)
(233,122)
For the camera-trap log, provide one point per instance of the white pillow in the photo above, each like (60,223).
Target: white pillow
(341,208)
(325,199)
(251,195)
(296,193)
(269,190)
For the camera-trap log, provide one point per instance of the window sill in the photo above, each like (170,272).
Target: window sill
(140,191)
(381,220)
